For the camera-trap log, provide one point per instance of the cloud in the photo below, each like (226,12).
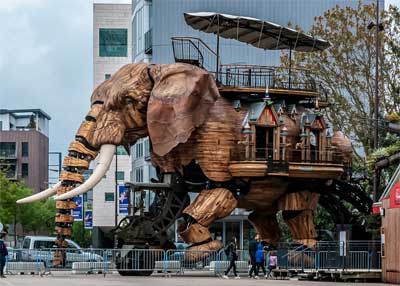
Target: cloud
(46,61)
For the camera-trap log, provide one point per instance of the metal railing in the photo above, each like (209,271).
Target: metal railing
(355,255)
(255,76)
(194,51)
(286,155)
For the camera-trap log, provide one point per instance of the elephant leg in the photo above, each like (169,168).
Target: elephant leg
(208,206)
(298,213)
(267,227)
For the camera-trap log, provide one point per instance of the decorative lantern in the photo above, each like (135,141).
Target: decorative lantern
(267,98)
(237,105)
(284,131)
(247,129)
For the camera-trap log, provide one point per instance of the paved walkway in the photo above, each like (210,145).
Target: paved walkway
(117,280)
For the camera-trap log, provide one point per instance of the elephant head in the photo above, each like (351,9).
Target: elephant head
(166,102)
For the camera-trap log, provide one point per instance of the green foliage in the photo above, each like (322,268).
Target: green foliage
(383,152)
(346,69)
(80,235)
(32,217)
(285,231)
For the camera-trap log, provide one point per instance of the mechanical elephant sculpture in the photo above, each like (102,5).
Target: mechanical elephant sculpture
(197,135)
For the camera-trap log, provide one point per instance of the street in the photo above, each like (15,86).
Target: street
(117,280)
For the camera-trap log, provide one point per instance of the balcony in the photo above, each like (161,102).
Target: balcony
(293,163)
(8,154)
(148,42)
(242,78)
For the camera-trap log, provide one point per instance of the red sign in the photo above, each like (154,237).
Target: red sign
(395,196)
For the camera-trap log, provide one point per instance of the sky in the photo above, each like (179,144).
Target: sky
(46,60)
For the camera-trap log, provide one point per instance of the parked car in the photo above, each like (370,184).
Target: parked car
(42,248)
(12,254)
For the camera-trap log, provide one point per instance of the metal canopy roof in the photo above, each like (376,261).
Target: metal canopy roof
(259,33)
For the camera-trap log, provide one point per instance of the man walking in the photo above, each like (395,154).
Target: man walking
(3,255)
(231,252)
(252,254)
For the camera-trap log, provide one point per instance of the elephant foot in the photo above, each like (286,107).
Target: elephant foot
(208,206)
(267,227)
(202,251)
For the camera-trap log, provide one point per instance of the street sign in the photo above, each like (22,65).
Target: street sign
(77,212)
(88,219)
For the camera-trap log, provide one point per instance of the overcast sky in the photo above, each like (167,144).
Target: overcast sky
(46,60)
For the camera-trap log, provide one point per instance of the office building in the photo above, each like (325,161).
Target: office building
(111,50)
(24,146)
(154,22)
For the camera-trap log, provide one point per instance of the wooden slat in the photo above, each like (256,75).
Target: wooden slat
(63,190)
(195,233)
(66,205)
(75,162)
(65,218)
(80,148)
(86,130)
(70,176)
(63,230)
(210,205)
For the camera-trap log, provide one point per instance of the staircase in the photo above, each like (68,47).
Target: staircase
(195,52)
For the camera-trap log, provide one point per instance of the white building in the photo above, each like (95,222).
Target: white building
(111,50)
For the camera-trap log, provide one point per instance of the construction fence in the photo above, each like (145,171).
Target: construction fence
(361,255)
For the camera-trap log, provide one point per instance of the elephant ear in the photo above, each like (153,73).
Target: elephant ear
(179,103)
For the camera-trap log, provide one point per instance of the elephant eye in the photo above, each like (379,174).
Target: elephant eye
(128,100)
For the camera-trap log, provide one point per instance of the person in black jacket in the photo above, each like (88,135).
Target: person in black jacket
(231,252)
(252,254)
(3,255)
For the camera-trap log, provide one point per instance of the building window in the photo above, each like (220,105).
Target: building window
(120,175)
(109,197)
(138,23)
(25,149)
(113,42)
(107,76)
(24,170)
(139,150)
(139,175)
(1,125)
(7,149)
(146,148)
(121,150)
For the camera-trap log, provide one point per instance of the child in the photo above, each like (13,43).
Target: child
(260,260)
(272,263)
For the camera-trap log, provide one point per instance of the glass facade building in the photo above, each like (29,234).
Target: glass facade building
(155,22)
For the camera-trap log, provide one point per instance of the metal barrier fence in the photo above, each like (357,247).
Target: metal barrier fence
(355,255)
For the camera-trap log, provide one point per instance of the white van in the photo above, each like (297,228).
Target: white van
(41,248)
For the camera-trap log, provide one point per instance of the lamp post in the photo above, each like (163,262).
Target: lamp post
(378,27)
(116,199)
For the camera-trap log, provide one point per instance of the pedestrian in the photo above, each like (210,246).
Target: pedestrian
(272,262)
(252,254)
(3,254)
(260,261)
(231,252)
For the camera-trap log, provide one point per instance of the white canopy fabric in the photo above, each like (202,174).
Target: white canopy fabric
(259,33)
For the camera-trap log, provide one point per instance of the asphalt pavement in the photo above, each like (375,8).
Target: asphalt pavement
(117,280)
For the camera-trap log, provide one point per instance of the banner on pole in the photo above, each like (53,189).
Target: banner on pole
(123,200)
(88,219)
(77,212)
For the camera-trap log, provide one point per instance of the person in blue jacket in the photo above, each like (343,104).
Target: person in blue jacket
(3,255)
(260,260)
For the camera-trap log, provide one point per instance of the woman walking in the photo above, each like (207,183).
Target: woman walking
(231,252)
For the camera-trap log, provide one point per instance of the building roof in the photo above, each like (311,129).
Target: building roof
(14,111)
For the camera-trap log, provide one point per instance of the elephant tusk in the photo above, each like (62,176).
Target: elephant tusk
(41,195)
(105,157)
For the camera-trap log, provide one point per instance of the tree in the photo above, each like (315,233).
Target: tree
(346,69)
(31,217)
